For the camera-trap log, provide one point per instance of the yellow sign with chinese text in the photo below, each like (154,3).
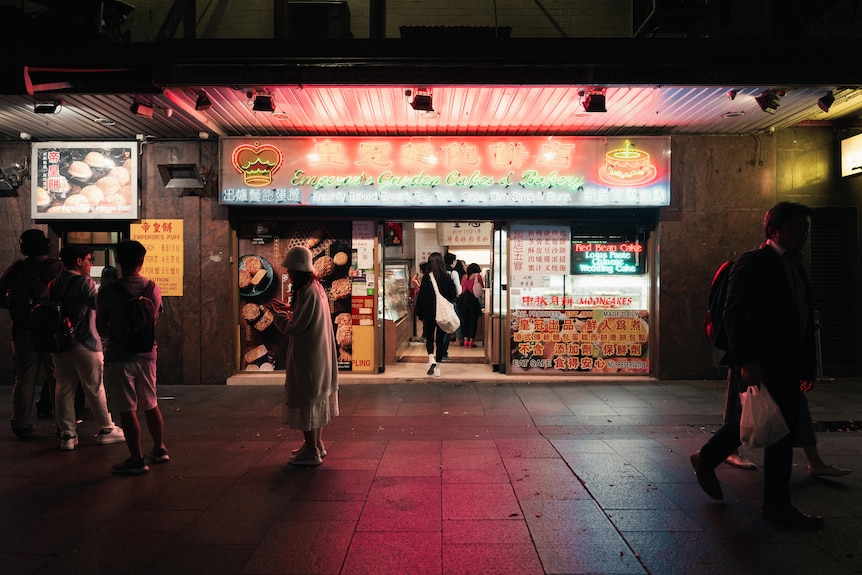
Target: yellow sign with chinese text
(164,261)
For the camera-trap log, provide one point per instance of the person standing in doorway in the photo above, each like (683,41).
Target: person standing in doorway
(311,369)
(130,374)
(426,309)
(451,259)
(21,286)
(83,362)
(472,289)
(770,330)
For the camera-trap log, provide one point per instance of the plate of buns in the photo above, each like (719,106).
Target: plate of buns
(255,275)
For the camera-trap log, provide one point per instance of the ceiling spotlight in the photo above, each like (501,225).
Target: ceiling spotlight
(826,101)
(422,100)
(769,100)
(48,106)
(263,103)
(594,100)
(731,94)
(203,101)
(142,108)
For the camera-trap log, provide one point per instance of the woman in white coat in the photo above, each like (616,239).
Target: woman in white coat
(311,378)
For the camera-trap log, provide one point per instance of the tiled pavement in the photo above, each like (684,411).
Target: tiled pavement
(437,477)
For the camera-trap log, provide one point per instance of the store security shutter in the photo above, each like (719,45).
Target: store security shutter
(312,19)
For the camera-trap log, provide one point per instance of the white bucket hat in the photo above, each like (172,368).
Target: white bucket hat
(298,259)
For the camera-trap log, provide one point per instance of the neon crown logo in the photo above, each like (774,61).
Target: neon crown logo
(257,163)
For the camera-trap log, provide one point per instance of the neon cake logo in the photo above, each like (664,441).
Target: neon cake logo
(627,167)
(257,163)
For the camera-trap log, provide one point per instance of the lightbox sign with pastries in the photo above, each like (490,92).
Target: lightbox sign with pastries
(84,181)
(529,172)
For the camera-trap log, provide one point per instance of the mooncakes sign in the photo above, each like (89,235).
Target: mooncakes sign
(529,172)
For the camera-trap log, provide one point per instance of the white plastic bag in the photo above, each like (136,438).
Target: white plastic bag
(446,318)
(761,423)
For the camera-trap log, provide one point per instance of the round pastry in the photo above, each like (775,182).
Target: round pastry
(266,366)
(344,336)
(250,312)
(94,194)
(122,175)
(252,367)
(126,192)
(76,204)
(340,288)
(343,319)
(115,201)
(340,259)
(255,353)
(96,160)
(324,266)
(63,185)
(109,184)
(252,264)
(43,198)
(244,279)
(80,171)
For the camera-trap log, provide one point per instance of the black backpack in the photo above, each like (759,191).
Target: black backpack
(137,333)
(51,330)
(28,289)
(716,333)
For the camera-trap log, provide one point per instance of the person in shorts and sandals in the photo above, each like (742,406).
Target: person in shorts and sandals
(130,376)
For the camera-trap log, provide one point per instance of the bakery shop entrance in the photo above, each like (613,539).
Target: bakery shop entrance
(407,246)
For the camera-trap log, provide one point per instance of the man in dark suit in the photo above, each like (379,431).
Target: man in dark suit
(770,329)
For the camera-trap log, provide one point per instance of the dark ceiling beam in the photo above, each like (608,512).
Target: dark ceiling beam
(514,61)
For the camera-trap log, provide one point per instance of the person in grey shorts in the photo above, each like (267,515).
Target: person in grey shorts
(130,376)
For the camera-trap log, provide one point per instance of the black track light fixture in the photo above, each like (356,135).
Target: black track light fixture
(826,101)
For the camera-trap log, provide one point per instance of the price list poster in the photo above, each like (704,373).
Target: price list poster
(164,260)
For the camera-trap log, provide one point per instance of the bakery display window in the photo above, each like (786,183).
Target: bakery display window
(264,285)
(578,299)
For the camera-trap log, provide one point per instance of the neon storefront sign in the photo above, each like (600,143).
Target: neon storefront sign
(439,172)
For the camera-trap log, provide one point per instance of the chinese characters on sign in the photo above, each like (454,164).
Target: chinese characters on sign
(464,233)
(596,341)
(443,171)
(164,261)
(538,251)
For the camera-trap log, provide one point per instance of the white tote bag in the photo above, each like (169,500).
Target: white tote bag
(447,319)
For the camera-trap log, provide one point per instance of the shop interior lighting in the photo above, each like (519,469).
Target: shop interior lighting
(142,108)
(48,106)
(826,101)
(263,102)
(769,100)
(203,102)
(594,100)
(182,176)
(423,100)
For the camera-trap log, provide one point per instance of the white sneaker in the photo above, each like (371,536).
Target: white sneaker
(68,442)
(113,435)
(436,371)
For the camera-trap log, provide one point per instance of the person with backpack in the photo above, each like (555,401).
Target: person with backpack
(770,333)
(81,363)
(472,289)
(23,285)
(127,311)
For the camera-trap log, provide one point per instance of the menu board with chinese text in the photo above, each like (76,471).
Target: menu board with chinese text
(164,260)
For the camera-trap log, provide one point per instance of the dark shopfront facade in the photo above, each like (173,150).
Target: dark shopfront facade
(713,215)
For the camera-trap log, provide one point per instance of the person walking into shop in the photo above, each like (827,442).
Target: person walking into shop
(450,260)
(22,285)
(130,369)
(472,288)
(311,367)
(770,330)
(426,309)
(82,363)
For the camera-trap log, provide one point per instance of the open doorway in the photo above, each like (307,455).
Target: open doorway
(407,245)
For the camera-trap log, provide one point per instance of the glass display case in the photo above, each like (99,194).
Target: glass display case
(396,300)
